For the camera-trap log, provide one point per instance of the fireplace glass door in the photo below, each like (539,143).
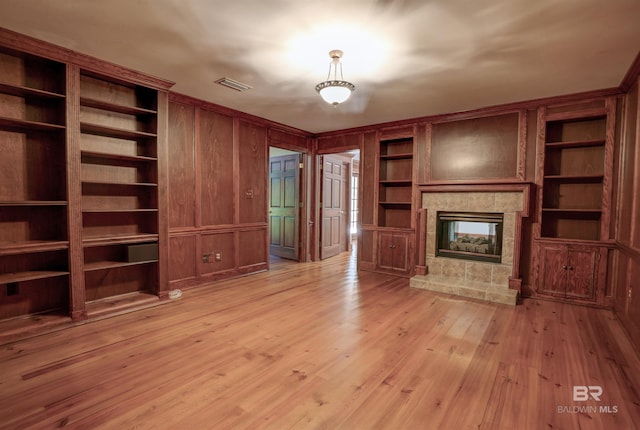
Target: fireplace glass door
(470,236)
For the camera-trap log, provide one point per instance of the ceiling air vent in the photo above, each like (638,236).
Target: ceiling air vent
(234,85)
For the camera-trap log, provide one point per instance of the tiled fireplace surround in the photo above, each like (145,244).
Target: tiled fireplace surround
(494,282)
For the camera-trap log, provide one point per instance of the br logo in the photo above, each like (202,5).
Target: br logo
(582,393)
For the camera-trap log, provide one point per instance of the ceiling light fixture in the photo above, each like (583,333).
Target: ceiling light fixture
(335,91)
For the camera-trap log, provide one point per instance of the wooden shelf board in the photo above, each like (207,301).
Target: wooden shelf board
(34,203)
(120,304)
(102,265)
(12,248)
(116,211)
(574,178)
(121,184)
(21,91)
(118,133)
(395,203)
(21,125)
(29,275)
(115,240)
(586,114)
(575,144)
(396,156)
(130,110)
(395,182)
(108,156)
(572,211)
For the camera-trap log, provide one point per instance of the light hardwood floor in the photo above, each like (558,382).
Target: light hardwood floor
(320,346)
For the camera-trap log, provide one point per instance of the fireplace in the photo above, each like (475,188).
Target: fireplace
(490,213)
(473,236)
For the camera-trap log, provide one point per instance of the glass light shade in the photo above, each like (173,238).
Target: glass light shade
(335,92)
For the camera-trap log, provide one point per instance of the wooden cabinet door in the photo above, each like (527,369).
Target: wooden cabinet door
(553,273)
(393,252)
(385,251)
(401,253)
(581,273)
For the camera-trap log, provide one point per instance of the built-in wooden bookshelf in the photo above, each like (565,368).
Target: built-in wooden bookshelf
(395,182)
(574,170)
(80,185)
(119,174)
(34,239)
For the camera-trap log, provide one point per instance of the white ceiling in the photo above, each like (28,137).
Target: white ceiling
(407,58)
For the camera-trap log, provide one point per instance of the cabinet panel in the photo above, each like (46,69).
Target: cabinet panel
(569,271)
(216,168)
(554,276)
(385,251)
(582,273)
(182,180)
(393,252)
(252,151)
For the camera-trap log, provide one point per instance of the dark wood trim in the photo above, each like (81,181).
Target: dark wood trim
(522,145)
(607,185)
(77,309)
(632,75)
(421,240)
(163,194)
(628,250)
(21,42)
(540,148)
(481,112)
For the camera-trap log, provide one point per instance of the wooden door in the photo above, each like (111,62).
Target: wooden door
(553,272)
(333,226)
(284,192)
(581,273)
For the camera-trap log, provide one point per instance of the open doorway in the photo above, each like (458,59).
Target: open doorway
(284,203)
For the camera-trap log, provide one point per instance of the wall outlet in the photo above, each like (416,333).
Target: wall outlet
(218,256)
(205,258)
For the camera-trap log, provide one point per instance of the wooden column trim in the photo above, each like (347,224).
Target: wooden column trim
(163,195)
(77,295)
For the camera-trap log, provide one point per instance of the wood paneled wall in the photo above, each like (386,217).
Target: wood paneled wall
(218,191)
(626,259)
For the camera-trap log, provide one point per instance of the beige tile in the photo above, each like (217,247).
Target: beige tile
(481,202)
(507,251)
(480,272)
(508,225)
(509,202)
(453,268)
(500,274)
(431,243)
(434,266)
